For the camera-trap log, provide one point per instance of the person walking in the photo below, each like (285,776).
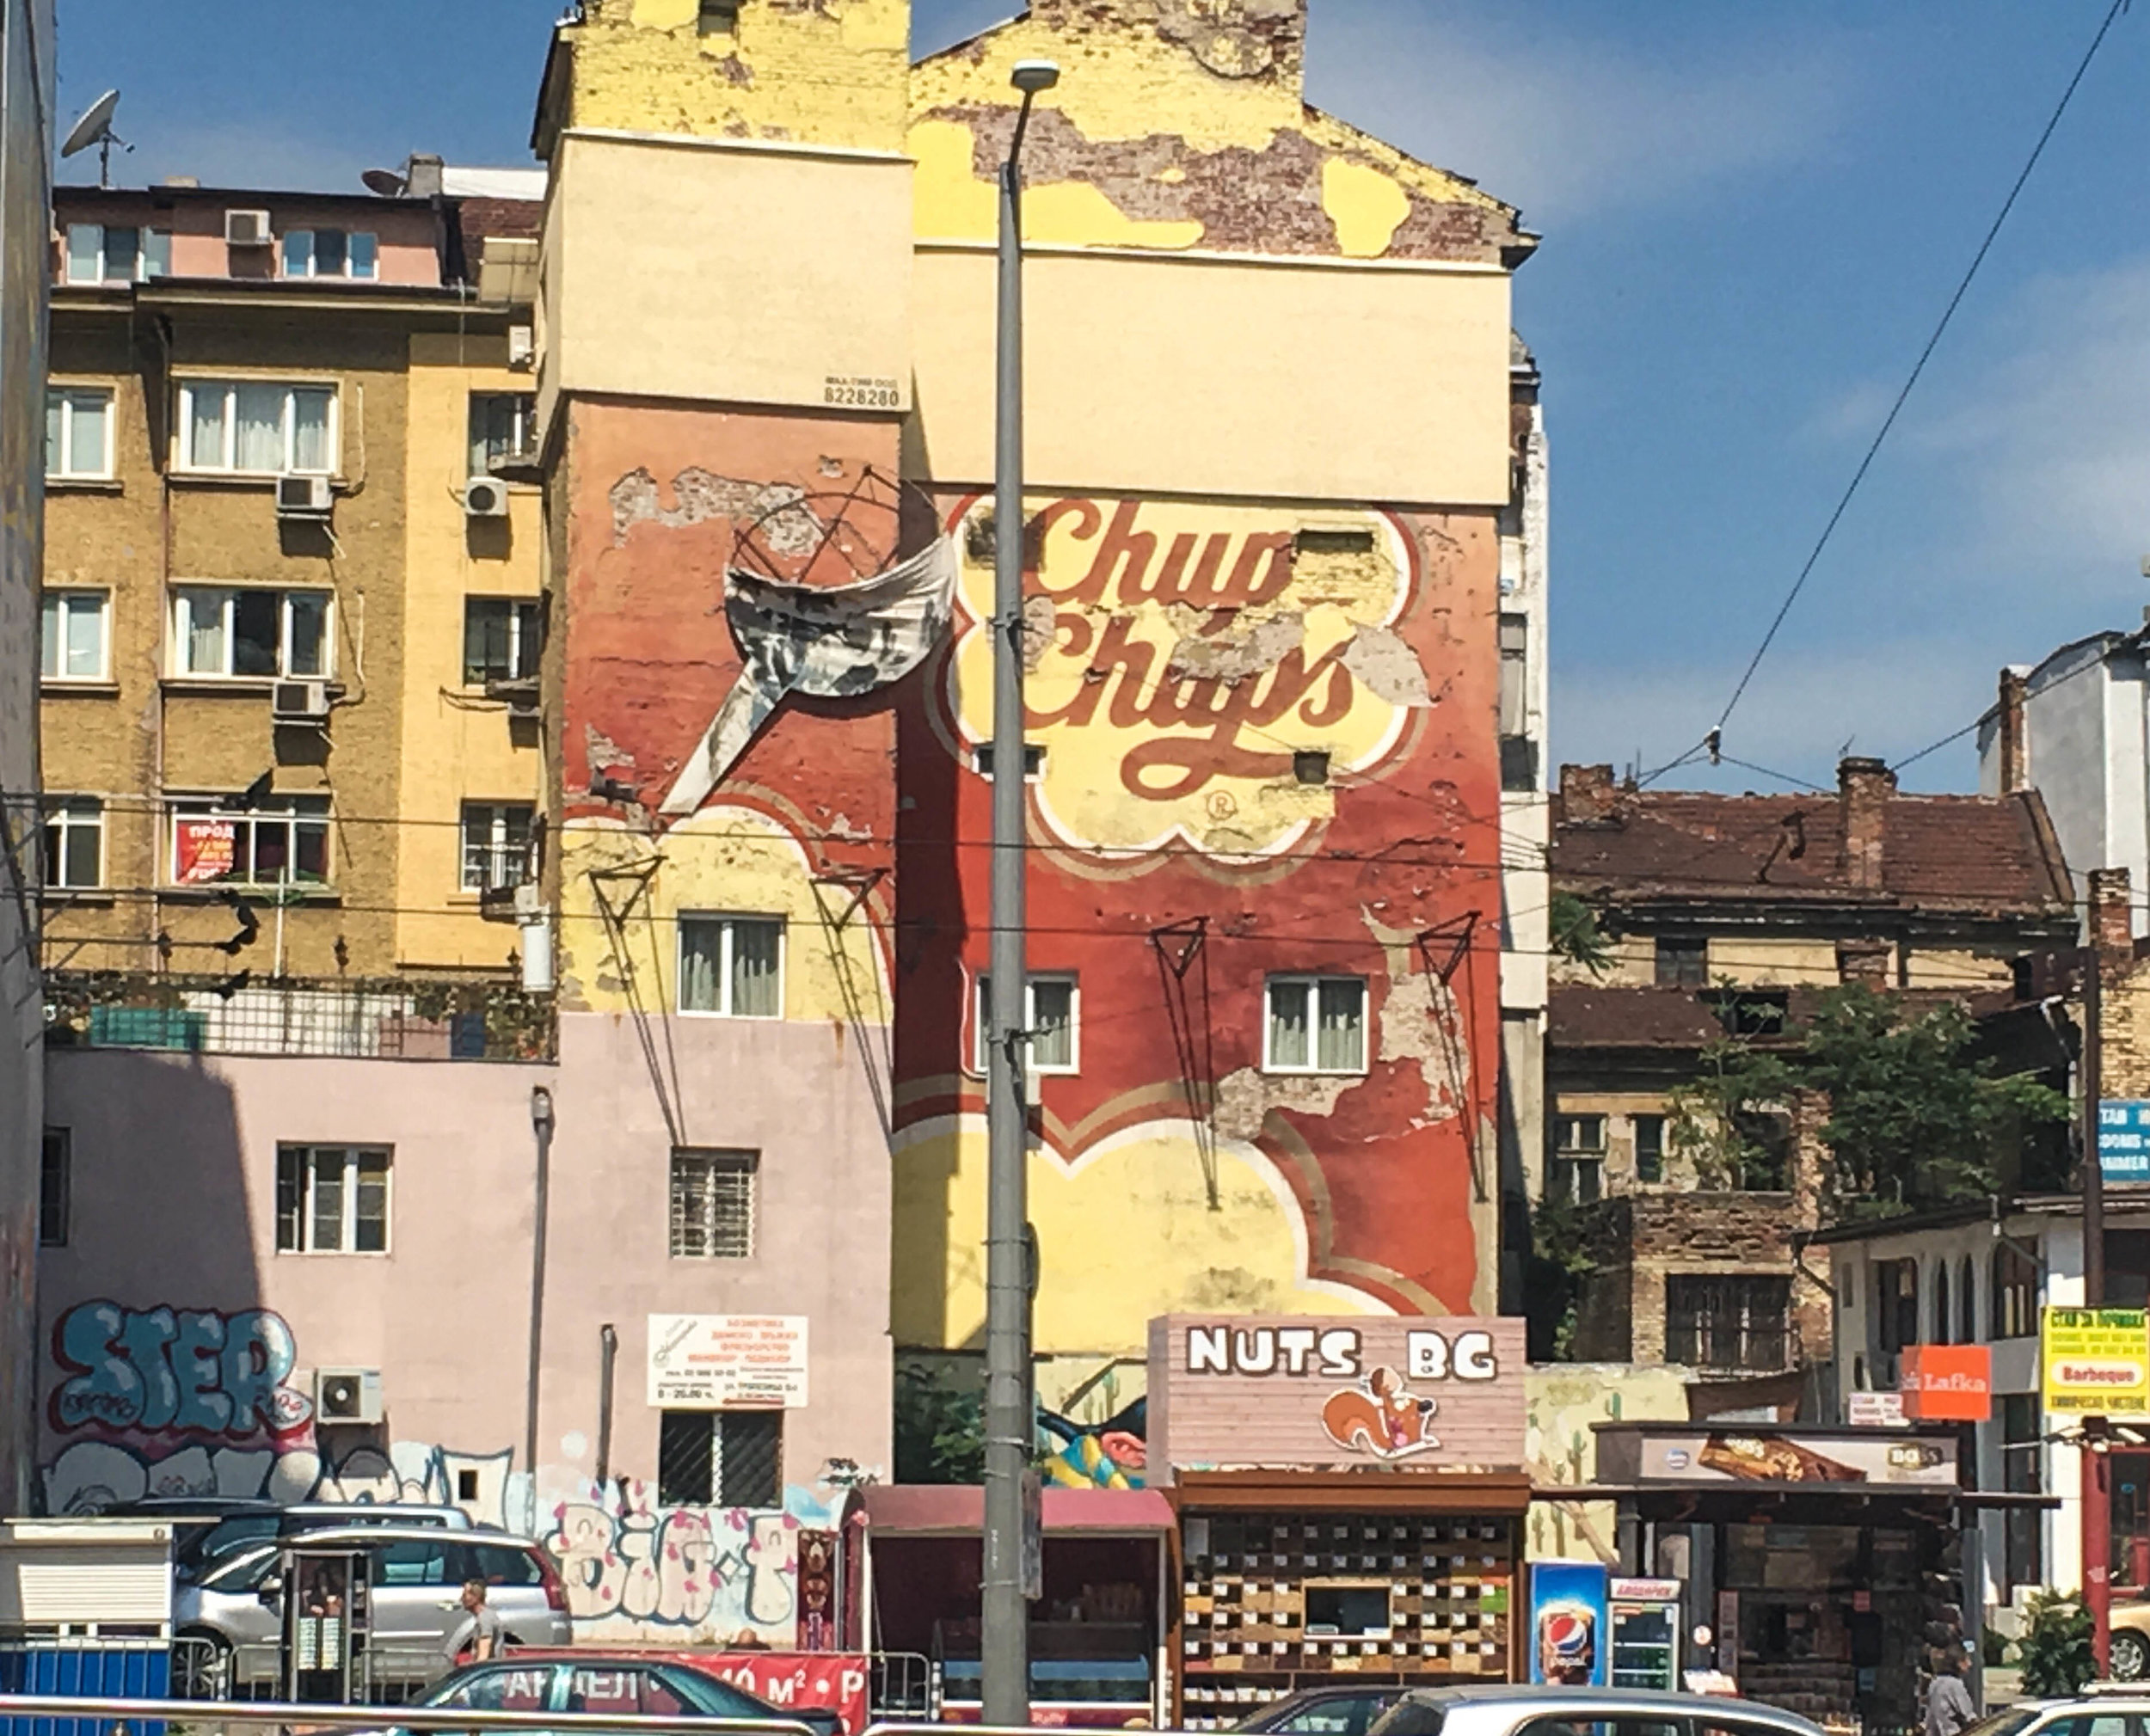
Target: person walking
(1949,1707)
(477,1637)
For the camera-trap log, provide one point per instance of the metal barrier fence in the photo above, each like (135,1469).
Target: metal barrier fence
(904,1687)
(59,1715)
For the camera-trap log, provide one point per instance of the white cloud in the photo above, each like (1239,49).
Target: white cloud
(1570,129)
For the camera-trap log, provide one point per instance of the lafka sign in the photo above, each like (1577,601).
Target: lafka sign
(1288,1392)
(1194,648)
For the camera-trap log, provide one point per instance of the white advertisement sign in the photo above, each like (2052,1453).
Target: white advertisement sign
(727,1361)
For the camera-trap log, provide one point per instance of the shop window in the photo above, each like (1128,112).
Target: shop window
(1683,961)
(1051,1023)
(1896,1304)
(1650,1148)
(712,1215)
(1725,1320)
(1348,1612)
(281,840)
(732,966)
(331,1199)
(1578,1163)
(2013,1292)
(1316,1025)
(730,1458)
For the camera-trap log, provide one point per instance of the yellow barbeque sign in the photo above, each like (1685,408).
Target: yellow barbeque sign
(1183,657)
(2096,1360)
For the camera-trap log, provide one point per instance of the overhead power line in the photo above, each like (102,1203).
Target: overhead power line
(1918,367)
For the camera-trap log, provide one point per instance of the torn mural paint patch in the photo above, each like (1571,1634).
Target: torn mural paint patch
(828,641)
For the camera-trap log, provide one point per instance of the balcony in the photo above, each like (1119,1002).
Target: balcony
(348,1018)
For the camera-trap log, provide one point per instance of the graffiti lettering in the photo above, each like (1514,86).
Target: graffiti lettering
(182,1371)
(720,1572)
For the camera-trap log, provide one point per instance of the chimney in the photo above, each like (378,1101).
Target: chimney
(1585,794)
(2015,746)
(421,176)
(1863,789)
(2112,921)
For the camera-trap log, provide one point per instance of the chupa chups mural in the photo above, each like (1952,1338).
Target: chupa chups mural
(167,1400)
(1294,1393)
(1263,748)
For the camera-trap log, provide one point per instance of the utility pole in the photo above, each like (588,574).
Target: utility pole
(2096,1463)
(541,1127)
(1005,1651)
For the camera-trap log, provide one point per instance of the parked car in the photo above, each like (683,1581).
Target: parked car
(1340,1711)
(230,1621)
(258,1522)
(1518,1711)
(617,1684)
(2131,1642)
(2101,1712)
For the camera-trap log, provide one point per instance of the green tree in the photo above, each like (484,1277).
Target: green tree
(940,1428)
(1577,935)
(2055,1650)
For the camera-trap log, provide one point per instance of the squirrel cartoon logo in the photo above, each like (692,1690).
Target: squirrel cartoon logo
(1381,1416)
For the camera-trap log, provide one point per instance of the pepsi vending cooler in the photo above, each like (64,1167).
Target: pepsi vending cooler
(1643,1622)
(1568,1628)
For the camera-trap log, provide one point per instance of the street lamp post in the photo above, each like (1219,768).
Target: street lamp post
(1006,1638)
(541,1127)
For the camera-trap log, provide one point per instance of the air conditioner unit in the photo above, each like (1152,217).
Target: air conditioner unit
(485,497)
(522,346)
(303,497)
(348,1394)
(247,229)
(299,701)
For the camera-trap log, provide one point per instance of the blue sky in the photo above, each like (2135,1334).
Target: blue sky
(1753,216)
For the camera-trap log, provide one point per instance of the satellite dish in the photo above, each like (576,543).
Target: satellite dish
(95,128)
(385,181)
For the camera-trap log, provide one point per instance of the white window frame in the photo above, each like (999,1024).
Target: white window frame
(145,248)
(524,419)
(274,807)
(308,1154)
(729,919)
(183,596)
(520,611)
(187,460)
(60,466)
(284,248)
(711,1158)
(65,815)
(72,600)
(1309,982)
(502,854)
(982,985)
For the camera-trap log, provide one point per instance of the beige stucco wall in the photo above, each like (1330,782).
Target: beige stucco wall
(708,269)
(1147,374)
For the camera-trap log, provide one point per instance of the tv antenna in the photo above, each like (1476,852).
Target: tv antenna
(95,128)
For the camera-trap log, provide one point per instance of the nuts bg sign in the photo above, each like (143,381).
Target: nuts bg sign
(1292,1391)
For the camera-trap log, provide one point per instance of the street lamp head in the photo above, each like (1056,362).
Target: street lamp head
(540,1107)
(1030,76)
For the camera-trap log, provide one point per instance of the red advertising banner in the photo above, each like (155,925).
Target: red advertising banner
(1948,1383)
(836,1680)
(203,851)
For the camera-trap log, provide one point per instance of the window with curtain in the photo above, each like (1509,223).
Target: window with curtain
(257,427)
(1051,1023)
(732,966)
(219,631)
(1316,1025)
(72,643)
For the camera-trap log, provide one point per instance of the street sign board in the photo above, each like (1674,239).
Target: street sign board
(2124,1140)
(2095,1361)
(1875,1409)
(1948,1383)
(727,1361)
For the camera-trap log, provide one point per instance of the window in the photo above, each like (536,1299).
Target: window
(1348,1714)
(55,1187)
(2022,1450)
(117,253)
(1683,961)
(501,638)
(713,1203)
(1650,1148)
(1578,1157)
(627,1692)
(732,965)
(330,252)
(257,427)
(77,431)
(718,15)
(1750,1012)
(496,844)
(411,1562)
(1316,1025)
(1967,1303)
(1348,1612)
(512,1688)
(2014,1291)
(1727,1322)
(72,640)
(280,840)
(1763,1150)
(730,1458)
(497,1564)
(1052,1023)
(981,760)
(1518,757)
(331,1199)
(1896,1304)
(259,635)
(503,427)
(1944,1314)
(74,842)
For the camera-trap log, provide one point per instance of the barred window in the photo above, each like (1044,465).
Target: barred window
(1720,1322)
(730,1458)
(713,1203)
